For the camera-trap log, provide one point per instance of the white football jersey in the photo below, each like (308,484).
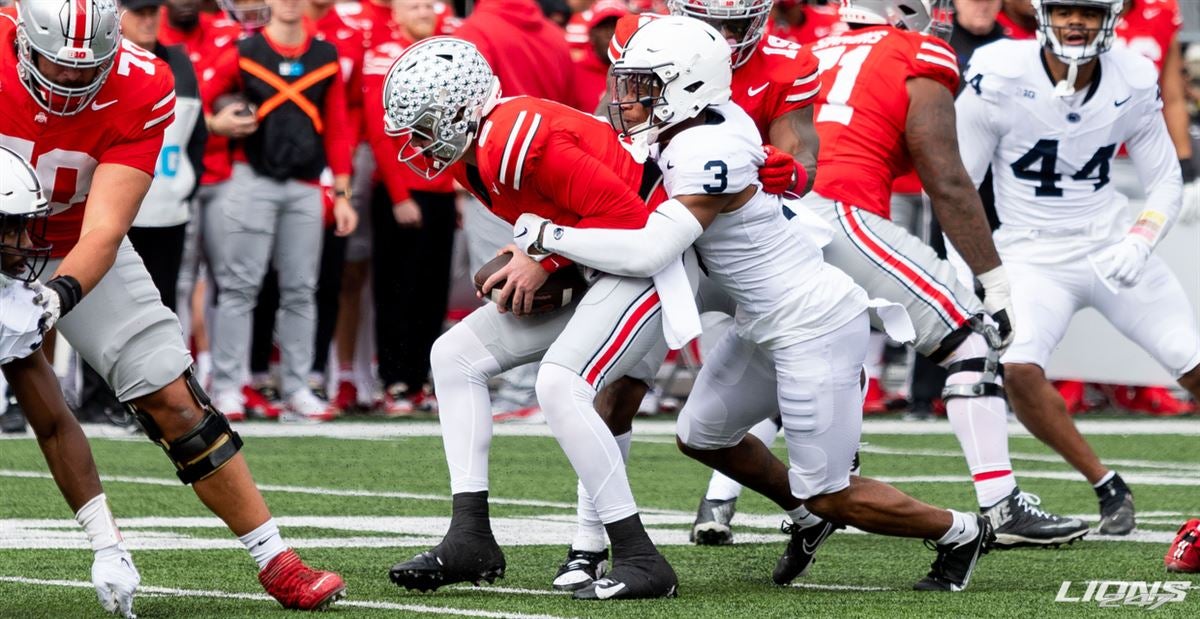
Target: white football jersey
(19,316)
(784,290)
(1050,156)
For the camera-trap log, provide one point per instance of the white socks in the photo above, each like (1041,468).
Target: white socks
(461,367)
(964,528)
(981,425)
(803,517)
(590,535)
(264,543)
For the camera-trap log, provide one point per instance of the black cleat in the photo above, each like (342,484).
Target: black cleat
(459,558)
(1116,508)
(951,570)
(635,578)
(801,549)
(1017,521)
(12,421)
(711,527)
(580,569)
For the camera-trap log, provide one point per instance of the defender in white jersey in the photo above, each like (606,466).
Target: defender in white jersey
(801,326)
(1048,116)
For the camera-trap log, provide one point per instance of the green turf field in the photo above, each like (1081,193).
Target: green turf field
(360,502)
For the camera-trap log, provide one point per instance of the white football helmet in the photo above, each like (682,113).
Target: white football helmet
(436,95)
(80,34)
(1101,43)
(933,17)
(23,215)
(251,14)
(741,21)
(674,67)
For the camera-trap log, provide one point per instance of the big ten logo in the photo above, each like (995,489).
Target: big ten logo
(168,161)
(1115,593)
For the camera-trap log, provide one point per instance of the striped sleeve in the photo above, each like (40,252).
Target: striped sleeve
(807,83)
(142,137)
(935,60)
(519,150)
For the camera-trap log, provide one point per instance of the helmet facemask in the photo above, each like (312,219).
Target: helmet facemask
(742,22)
(24,213)
(1093,41)
(634,87)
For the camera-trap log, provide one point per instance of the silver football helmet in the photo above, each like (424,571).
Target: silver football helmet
(436,95)
(251,14)
(933,17)
(23,215)
(73,34)
(742,22)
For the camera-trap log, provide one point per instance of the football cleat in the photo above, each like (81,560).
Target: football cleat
(299,587)
(258,405)
(635,578)
(305,407)
(1017,521)
(459,558)
(12,421)
(230,404)
(801,549)
(711,527)
(580,569)
(951,570)
(346,398)
(1116,508)
(1184,554)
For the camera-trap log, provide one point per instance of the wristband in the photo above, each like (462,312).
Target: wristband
(554,262)
(70,293)
(1188,168)
(799,180)
(98,523)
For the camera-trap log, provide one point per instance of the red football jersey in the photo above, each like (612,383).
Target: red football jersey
(537,156)
(1149,27)
(819,22)
(344,27)
(779,77)
(124,125)
(863,108)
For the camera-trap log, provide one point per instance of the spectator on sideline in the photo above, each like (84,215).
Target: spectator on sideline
(272,207)
(1018,19)
(527,51)
(591,63)
(413,221)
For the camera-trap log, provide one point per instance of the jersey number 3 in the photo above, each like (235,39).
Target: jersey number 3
(1044,155)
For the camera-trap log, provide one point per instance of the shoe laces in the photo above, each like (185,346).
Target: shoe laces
(1030,502)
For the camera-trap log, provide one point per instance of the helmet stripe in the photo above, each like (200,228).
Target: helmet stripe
(80,22)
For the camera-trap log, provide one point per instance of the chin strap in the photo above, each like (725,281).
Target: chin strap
(1066,87)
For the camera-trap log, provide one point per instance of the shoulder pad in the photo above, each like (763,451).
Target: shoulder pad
(1135,69)
(1004,58)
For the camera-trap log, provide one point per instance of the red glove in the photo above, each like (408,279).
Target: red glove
(781,173)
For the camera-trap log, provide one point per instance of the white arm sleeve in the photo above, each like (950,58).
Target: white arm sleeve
(977,138)
(669,231)
(1153,154)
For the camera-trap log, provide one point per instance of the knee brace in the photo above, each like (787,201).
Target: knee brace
(204,449)
(990,381)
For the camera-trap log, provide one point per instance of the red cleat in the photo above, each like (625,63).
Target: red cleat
(1160,402)
(346,398)
(258,404)
(876,400)
(1072,392)
(298,586)
(1184,555)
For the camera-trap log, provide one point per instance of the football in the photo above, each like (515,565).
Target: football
(561,288)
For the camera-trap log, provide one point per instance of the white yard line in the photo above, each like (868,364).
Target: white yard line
(820,587)
(1051,458)
(262,597)
(1187,426)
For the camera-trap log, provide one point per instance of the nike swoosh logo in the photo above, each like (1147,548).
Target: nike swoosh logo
(261,542)
(522,233)
(99,106)
(670,166)
(753,92)
(1122,101)
(317,585)
(605,593)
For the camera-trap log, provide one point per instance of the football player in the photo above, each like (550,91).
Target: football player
(89,115)
(1048,116)
(23,252)
(800,333)
(775,82)
(522,155)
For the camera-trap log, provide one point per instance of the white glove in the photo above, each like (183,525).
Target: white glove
(116,580)
(997,302)
(1189,213)
(51,306)
(525,234)
(1124,262)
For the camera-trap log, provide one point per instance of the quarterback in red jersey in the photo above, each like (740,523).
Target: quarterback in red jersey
(527,155)
(89,115)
